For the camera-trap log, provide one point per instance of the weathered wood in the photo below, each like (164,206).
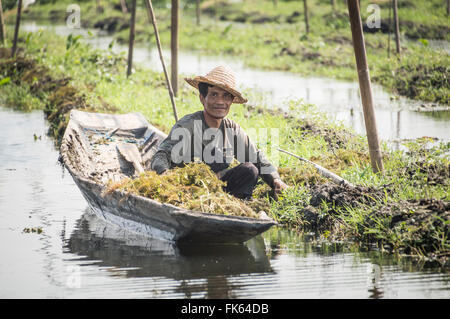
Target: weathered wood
(123,6)
(365,85)
(197,11)
(322,170)
(99,7)
(397,29)
(152,19)
(2,26)
(16,29)
(85,161)
(92,232)
(174,45)
(305,9)
(131,40)
(131,154)
(389,29)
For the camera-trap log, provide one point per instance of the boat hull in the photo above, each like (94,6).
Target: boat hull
(159,220)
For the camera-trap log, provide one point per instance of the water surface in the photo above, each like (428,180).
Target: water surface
(79,255)
(397,117)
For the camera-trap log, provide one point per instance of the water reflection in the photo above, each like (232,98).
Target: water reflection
(129,254)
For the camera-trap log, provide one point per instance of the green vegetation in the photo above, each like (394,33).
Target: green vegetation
(193,187)
(405,209)
(274,37)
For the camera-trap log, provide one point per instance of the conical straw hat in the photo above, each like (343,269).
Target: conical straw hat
(222,77)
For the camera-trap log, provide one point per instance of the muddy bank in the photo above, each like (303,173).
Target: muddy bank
(418,227)
(58,95)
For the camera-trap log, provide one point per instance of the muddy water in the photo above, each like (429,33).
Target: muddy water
(78,255)
(396,118)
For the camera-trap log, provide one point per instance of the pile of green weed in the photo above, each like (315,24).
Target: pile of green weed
(415,81)
(193,187)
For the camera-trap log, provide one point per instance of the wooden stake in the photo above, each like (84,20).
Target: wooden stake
(389,30)
(151,17)
(365,86)
(174,45)
(123,5)
(2,26)
(397,29)
(197,11)
(99,7)
(305,6)
(16,30)
(131,40)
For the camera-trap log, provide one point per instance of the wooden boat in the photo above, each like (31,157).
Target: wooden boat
(90,154)
(95,240)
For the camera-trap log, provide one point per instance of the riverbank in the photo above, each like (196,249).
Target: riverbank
(404,210)
(274,38)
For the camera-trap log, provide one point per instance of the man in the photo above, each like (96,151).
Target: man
(215,139)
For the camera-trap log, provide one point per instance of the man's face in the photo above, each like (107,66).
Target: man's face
(217,102)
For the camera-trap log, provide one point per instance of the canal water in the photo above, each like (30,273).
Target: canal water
(79,255)
(397,117)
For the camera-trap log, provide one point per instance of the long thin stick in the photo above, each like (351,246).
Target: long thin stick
(151,17)
(365,86)
(197,11)
(397,28)
(389,30)
(305,8)
(2,26)
(322,170)
(174,44)
(123,6)
(131,40)
(16,30)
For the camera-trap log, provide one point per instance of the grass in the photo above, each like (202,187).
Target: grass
(404,209)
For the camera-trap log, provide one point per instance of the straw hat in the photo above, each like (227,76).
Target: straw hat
(222,77)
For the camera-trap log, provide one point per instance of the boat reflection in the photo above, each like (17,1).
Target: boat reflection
(133,255)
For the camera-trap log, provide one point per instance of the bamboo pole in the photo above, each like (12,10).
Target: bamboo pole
(2,26)
(174,45)
(123,6)
(131,40)
(365,86)
(99,7)
(397,28)
(389,30)
(151,17)
(16,29)
(197,11)
(305,7)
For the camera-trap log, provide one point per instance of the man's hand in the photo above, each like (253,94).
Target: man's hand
(279,185)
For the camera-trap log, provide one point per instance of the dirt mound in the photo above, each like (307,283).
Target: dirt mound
(419,227)
(112,24)
(335,138)
(344,195)
(433,173)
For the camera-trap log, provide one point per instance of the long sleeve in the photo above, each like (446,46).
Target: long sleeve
(160,162)
(244,150)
